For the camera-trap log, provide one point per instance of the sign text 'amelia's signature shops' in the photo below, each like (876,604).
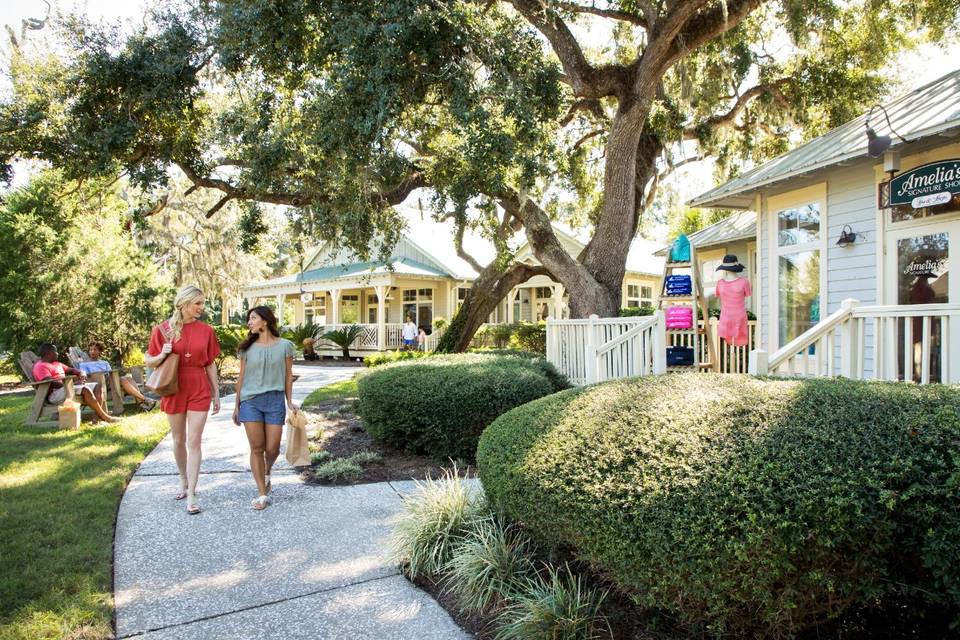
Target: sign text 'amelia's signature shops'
(926,186)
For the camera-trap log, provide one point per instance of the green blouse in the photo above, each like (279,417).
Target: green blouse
(265,368)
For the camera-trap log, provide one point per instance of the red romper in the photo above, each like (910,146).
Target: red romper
(197,348)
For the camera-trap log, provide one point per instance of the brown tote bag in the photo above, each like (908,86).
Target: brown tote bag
(163,380)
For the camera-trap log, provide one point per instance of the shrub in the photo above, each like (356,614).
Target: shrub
(439,406)
(298,333)
(338,469)
(229,336)
(433,521)
(488,564)
(318,457)
(558,606)
(530,336)
(748,506)
(386,357)
(630,312)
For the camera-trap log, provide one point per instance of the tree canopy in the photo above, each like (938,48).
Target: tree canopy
(341,110)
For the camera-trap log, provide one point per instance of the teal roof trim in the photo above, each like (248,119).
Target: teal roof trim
(401,266)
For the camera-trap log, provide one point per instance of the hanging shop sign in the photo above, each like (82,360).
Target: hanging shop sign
(926,186)
(306,297)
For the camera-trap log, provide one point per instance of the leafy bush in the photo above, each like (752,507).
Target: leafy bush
(338,469)
(631,312)
(487,565)
(433,521)
(751,507)
(440,405)
(558,607)
(386,357)
(344,337)
(530,336)
(229,336)
(298,333)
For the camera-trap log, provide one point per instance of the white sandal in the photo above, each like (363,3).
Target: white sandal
(259,504)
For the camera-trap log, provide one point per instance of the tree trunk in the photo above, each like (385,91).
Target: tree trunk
(606,255)
(491,285)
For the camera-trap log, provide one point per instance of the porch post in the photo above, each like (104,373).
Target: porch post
(557,298)
(510,297)
(335,302)
(382,316)
(280,298)
(849,342)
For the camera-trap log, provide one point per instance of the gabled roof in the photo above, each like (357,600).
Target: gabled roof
(928,111)
(742,225)
(400,266)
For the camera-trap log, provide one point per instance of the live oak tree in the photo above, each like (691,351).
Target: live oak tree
(341,110)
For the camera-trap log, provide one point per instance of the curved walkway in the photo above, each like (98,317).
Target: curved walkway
(316,564)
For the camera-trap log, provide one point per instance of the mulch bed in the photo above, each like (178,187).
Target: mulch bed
(343,435)
(480,627)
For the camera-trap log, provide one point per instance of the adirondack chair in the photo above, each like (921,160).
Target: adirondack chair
(118,397)
(40,408)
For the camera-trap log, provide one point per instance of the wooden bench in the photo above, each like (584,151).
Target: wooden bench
(117,396)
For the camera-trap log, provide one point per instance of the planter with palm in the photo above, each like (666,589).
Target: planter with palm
(344,337)
(300,332)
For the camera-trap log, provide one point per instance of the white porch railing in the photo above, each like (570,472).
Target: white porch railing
(598,349)
(730,359)
(907,342)
(367,339)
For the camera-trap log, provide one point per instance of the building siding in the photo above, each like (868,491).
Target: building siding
(851,270)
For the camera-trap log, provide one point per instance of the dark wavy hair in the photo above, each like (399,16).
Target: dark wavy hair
(267,314)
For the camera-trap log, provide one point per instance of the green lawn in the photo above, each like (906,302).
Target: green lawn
(59,492)
(336,391)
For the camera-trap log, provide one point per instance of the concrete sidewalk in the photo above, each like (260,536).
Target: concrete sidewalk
(315,564)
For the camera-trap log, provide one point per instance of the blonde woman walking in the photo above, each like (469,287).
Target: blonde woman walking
(264,393)
(196,345)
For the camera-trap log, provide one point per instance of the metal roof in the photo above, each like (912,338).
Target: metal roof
(927,111)
(741,225)
(400,266)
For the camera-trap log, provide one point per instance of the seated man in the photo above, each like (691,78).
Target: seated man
(47,367)
(96,365)
(308,351)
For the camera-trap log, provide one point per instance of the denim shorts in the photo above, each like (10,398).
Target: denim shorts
(269,408)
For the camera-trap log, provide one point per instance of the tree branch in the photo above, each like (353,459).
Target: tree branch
(708,25)
(586,80)
(728,118)
(614,14)
(585,137)
(593,106)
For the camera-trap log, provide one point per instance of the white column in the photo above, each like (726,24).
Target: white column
(557,299)
(849,343)
(510,300)
(382,291)
(335,303)
(280,298)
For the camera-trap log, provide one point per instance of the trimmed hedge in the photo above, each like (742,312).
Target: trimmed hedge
(741,505)
(386,357)
(439,406)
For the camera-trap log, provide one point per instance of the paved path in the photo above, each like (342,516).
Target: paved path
(316,564)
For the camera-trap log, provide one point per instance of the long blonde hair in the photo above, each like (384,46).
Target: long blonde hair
(187,295)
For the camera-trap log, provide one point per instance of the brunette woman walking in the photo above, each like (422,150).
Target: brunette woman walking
(265,388)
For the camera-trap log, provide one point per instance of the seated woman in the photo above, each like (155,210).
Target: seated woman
(47,367)
(96,365)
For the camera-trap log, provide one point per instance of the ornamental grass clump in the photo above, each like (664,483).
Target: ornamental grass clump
(433,522)
(488,565)
(557,605)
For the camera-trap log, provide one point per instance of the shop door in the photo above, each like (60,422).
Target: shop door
(918,272)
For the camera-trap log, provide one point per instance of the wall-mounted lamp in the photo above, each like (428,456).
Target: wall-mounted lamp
(847,236)
(876,145)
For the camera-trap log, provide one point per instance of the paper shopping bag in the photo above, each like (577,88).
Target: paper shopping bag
(298,451)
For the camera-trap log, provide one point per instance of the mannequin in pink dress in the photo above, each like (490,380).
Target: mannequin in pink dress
(732,291)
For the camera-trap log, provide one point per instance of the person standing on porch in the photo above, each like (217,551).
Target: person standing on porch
(265,393)
(196,345)
(422,340)
(409,333)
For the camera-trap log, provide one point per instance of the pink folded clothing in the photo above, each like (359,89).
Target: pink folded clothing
(679,312)
(679,323)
